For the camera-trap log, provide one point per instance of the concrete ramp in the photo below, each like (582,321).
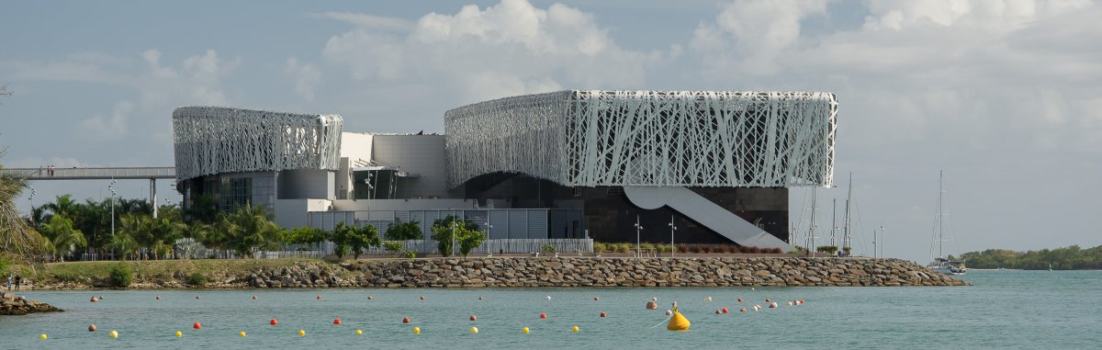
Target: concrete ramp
(705,212)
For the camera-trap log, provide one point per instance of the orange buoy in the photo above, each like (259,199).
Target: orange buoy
(604,314)
(197,326)
(405,319)
(543,315)
(724,310)
(92,327)
(337,321)
(473,318)
(273,322)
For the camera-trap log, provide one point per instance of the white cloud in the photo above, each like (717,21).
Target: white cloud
(307,76)
(752,33)
(509,48)
(113,125)
(368,21)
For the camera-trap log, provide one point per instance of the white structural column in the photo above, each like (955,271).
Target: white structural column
(214,140)
(648,138)
(153,196)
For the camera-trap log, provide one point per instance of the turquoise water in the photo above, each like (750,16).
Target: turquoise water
(1004,310)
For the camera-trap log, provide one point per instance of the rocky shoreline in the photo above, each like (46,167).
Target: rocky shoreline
(532,272)
(11,304)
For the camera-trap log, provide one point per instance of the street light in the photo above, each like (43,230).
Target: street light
(638,227)
(111,188)
(672,229)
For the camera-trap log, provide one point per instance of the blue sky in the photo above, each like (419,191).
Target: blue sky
(1002,95)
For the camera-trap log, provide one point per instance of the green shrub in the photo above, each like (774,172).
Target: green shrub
(547,249)
(409,254)
(197,279)
(599,247)
(828,249)
(120,276)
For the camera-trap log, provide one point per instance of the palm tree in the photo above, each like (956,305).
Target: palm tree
(15,235)
(248,228)
(65,238)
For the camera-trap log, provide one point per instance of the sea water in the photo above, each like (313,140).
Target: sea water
(1002,310)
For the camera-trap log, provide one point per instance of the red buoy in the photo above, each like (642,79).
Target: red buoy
(724,310)
(337,321)
(543,315)
(405,319)
(473,318)
(197,325)
(604,314)
(273,322)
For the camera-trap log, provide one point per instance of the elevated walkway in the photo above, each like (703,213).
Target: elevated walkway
(705,212)
(104,173)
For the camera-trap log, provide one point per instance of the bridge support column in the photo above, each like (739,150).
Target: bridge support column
(153,195)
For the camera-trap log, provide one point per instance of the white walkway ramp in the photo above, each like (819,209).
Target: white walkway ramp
(705,212)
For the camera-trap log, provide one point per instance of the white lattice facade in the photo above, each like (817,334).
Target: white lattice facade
(216,140)
(648,138)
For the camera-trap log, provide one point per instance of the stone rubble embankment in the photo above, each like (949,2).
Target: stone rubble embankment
(11,304)
(544,272)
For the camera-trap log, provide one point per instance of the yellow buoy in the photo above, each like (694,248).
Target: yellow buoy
(416,330)
(114,334)
(302,332)
(43,336)
(243,334)
(179,334)
(575,329)
(474,330)
(678,322)
(524,330)
(359,332)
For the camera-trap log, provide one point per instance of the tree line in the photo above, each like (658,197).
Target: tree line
(71,229)
(1068,258)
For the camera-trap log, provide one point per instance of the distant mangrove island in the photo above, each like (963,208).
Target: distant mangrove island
(1069,258)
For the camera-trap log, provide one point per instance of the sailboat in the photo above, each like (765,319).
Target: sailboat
(941,263)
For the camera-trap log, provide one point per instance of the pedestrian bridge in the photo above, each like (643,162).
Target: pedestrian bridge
(98,173)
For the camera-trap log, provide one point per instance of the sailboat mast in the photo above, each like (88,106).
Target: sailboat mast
(940,229)
(849,199)
(811,228)
(833,220)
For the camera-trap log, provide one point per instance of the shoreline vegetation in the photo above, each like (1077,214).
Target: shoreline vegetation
(1069,258)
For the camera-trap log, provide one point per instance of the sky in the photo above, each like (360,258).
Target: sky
(1004,96)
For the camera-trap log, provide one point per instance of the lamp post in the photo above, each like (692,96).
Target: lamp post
(111,188)
(673,228)
(638,227)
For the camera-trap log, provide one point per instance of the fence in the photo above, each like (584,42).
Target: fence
(188,248)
